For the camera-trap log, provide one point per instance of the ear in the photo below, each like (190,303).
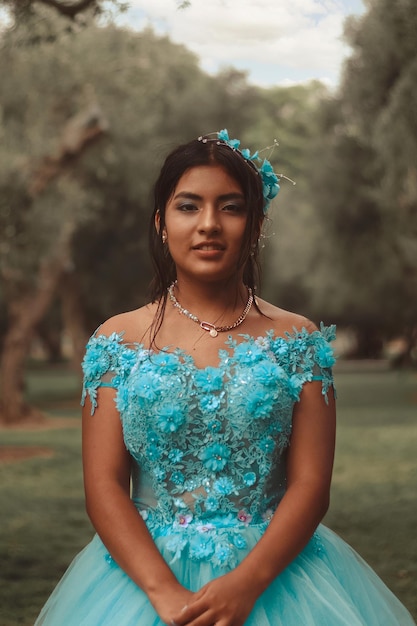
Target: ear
(157,221)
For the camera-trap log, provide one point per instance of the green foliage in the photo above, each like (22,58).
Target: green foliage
(153,96)
(365,170)
(293,235)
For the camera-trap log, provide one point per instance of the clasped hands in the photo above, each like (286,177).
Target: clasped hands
(221,602)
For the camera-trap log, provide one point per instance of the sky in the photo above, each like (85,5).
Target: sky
(277,42)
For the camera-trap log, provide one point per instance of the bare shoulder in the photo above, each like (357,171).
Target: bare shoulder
(133,324)
(285,321)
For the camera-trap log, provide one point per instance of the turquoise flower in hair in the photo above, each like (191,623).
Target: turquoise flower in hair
(223,135)
(270,180)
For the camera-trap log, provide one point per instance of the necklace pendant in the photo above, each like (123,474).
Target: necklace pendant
(207,326)
(210,328)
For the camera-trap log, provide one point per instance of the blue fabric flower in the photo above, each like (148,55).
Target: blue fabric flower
(248,352)
(178,478)
(249,478)
(239,541)
(166,360)
(175,455)
(152,437)
(214,426)
(259,403)
(222,553)
(211,503)
(280,346)
(267,444)
(268,373)
(123,399)
(170,418)
(147,387)
(215,457)
(96,362)
(159,473)
(201,546)
(324,356)
(127,360)
(210,403)
(153,452)
(210,379)
(176,544)
(223,135)
(295,384)
(224,486)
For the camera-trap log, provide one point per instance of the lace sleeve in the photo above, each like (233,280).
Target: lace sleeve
(307,356)
(323,357)
(107,362)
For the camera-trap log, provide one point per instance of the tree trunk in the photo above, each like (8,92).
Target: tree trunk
(13,408)
(73,316)
(25,314)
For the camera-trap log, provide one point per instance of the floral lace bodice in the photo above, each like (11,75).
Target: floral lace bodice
(209,445)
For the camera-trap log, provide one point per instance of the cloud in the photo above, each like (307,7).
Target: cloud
(288,36)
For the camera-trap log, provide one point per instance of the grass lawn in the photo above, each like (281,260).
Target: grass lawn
(374,495)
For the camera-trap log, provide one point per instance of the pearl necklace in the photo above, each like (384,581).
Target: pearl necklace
(211,328)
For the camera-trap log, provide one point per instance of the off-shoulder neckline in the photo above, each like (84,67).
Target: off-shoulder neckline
(325,332)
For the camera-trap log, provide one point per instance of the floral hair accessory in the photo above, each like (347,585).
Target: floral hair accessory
(270,180)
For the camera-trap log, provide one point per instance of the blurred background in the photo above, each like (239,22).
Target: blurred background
(93,94)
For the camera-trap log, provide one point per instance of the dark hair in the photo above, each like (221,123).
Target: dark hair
(194,154)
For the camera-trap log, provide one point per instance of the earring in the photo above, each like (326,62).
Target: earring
(164,237)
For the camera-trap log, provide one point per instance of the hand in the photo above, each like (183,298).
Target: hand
(170,602)
(225,601)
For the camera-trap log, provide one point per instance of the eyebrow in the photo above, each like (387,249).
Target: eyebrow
(222,198)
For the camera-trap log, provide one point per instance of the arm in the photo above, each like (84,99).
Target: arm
(106,465)
(228,600)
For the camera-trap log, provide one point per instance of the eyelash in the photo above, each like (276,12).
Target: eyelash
(233,208)
(187,207)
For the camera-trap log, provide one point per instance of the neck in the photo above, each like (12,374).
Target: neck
(212,301)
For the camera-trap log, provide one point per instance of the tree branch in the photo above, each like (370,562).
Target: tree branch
(69,8)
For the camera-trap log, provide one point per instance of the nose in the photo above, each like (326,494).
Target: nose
(209,220)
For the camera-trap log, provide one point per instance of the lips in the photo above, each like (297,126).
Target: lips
(208,246)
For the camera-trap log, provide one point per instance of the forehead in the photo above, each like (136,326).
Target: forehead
(204,179)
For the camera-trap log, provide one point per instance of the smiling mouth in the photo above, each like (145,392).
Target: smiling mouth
(208,247)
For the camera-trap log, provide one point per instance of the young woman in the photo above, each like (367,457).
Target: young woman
(208,434)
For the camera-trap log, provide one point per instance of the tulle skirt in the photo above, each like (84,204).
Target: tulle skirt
(328,584)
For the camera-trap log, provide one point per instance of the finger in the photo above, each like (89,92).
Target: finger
(190,613)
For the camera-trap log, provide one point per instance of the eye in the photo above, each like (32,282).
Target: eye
(187,207)
(234,207)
